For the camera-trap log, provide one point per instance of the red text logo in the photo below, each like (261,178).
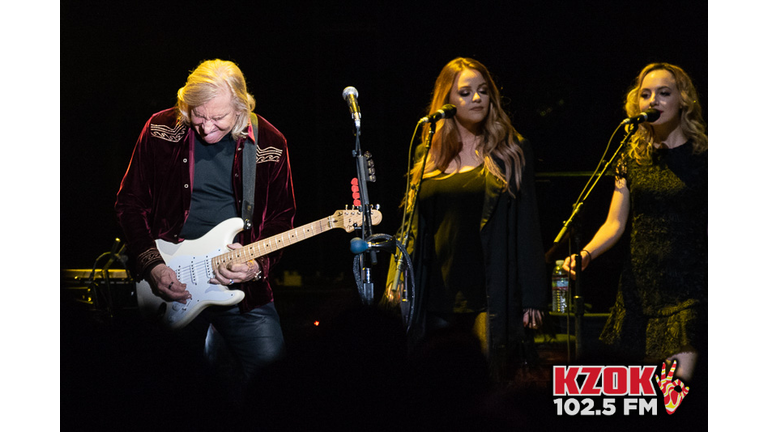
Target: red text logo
(603,380)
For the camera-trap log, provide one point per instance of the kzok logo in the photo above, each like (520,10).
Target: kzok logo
(616,381)
(629,382)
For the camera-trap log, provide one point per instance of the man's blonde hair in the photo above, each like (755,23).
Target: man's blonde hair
(210,79)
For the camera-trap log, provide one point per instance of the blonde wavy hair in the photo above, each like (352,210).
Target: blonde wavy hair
(691,120)
(500,139)
(206,82)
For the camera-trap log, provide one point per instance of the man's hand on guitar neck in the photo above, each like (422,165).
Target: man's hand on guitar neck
(164,283)
(236,273)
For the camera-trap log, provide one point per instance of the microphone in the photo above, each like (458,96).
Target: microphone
(447,111)
(115,254)
(115,245)
(649,115)
(350,95)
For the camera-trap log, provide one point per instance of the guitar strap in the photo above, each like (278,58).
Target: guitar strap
(249,174)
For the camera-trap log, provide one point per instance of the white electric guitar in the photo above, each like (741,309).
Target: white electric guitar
(194,262)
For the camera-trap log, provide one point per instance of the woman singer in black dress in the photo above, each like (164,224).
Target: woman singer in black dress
(475,241)
(660,194)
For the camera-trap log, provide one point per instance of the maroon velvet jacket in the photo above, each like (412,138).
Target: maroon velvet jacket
(156,191)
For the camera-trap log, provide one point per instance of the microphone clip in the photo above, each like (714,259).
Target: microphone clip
(445,112)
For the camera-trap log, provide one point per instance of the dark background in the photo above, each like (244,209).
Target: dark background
(563,68)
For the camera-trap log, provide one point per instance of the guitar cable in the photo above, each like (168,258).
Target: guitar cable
(388,243)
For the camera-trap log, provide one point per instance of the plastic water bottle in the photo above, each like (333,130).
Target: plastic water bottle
(559,288)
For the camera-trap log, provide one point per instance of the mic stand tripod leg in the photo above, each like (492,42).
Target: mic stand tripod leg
(578,300)
(578,307)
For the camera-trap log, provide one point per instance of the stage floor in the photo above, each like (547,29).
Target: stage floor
(119,372)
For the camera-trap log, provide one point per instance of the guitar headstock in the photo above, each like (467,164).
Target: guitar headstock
(350,219)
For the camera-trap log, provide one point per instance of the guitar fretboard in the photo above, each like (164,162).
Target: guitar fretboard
(277,242)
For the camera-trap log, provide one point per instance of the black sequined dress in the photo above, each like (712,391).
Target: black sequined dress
(661,304)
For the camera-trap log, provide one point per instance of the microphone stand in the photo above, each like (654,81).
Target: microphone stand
(570,228)
(407,229)
(367,291)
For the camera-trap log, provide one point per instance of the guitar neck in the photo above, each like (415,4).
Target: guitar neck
(274,243)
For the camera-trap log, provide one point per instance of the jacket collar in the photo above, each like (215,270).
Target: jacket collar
(252,127)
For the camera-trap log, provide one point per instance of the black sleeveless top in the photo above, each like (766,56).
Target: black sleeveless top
(451,205)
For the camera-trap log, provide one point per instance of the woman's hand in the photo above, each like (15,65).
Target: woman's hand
(532,318)
(568,263)
(236,273)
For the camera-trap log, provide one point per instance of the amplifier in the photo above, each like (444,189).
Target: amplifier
(99,289)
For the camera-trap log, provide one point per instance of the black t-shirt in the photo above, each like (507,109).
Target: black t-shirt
(213,199)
